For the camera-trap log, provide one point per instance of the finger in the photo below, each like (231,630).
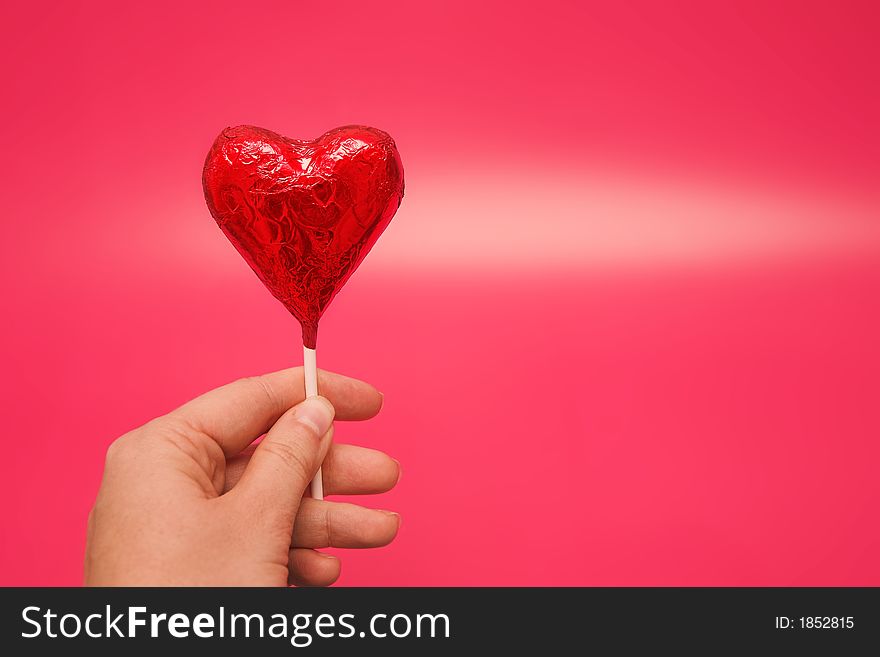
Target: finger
(348,470)
(286,460)
(237,413)
(321,524)
(310,568)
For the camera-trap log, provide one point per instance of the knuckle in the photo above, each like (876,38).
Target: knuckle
(190,441)
(270,393)
(315,522)
(119,448)
(289,455)
(130,445)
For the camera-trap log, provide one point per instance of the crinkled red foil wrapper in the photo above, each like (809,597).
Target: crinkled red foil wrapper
(303,214)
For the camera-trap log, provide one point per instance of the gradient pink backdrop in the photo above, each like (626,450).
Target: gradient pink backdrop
(626,319)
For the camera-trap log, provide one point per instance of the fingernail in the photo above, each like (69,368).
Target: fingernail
(325,555)
(317,413)
(399,471)
(391,513)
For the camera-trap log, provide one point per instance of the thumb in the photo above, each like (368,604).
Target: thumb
(288,457)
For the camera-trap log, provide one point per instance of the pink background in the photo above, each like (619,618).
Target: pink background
(626,319)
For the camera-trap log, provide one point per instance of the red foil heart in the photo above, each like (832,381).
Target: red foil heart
(304,214)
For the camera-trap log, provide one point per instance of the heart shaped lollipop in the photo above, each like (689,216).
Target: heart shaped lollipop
(303,214)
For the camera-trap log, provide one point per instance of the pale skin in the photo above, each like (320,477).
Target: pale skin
(187,499)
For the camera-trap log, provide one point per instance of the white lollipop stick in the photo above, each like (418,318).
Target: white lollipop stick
(310,366)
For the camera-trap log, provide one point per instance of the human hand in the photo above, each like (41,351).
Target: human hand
(187,500)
